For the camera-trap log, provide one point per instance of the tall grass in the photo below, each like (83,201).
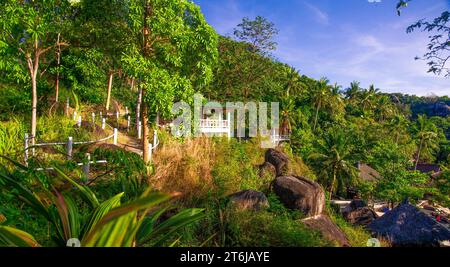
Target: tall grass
(11,138)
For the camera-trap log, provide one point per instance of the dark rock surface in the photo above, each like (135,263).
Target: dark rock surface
(301,194)
(406,225)
(267,169)
(328,228)
(361,216)
(249,200)
(279,160)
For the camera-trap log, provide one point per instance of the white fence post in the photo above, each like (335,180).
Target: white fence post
(74,115)
(79,121)
(26,149)
(93,118)
(128,123)
(230,129)
(101,116)
(150,148)
(139,130)
(126,111)
(69,148)
(86,166)
(115,136)
(155,137)
(103,123)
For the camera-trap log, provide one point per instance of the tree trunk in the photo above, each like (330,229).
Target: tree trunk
(317,115)
(132,84)
(138,108)
(110,81)
(33,104)
(418,154)
(58,62)
(332,184)
(145,131)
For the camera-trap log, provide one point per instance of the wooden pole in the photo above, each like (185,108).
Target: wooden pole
(93,118)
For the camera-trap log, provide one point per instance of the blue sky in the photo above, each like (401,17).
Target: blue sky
(344,40)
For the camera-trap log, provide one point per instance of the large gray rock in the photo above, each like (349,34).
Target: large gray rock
(249,200)
(361,216)
(267,169)
(328,228)
(358,213)
(279,160)
(406,225)
(301,194)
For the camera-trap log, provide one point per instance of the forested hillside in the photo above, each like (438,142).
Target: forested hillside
(67,65)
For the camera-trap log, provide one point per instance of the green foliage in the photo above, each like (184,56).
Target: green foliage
(398,185)
(258,33)
(171,52)
(94,227)
(263,229)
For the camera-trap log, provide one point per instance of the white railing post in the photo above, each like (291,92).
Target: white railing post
(229,124)
(150,148)
(74,115)
(26,149)
(86,164)
(139,130)
(155,137)
(103,123)
(69,148)
(93,119)
(128,123)
(115,136)
(126,111)
(101,116)
(79,121)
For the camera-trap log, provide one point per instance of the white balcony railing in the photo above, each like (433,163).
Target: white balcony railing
(213,124)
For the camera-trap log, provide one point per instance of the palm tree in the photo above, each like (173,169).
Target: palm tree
(320,97)
(384,108)
(367,98)
(426,135)
(353,92)
(293,85)
(397,125)
(333,159)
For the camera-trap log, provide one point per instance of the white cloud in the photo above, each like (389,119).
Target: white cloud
(321,16)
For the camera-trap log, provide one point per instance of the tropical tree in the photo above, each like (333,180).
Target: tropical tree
(353,91)
(27,33)
(259,33)
(326,96)
(426,135)
(368,97)
(171,53)
(320,97)
(333,160)
(94,31)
